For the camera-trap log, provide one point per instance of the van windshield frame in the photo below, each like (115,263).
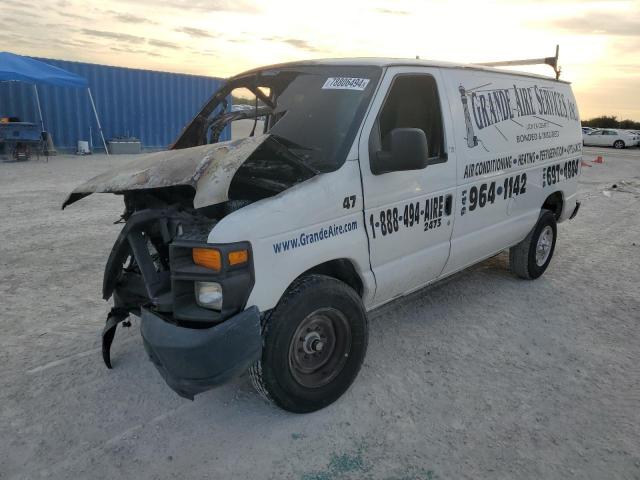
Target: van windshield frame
(316,109)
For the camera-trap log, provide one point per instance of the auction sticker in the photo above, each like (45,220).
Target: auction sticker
(345,83)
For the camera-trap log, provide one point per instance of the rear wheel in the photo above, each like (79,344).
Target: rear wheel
(314,343)
(531,257)
(618,144)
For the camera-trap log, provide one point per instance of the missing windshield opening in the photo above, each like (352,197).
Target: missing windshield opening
(319,107)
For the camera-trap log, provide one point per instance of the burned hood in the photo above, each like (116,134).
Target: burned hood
(209,169)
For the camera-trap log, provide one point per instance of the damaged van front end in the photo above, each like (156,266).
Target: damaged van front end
(197,217)
(191,295)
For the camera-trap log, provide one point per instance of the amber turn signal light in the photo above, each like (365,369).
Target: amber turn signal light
(238,257)
(207,257)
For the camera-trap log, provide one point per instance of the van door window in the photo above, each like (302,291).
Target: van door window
(412,102)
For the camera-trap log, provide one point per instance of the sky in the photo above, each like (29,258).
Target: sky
(599,40)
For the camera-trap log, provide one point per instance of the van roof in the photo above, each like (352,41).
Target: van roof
(394,62)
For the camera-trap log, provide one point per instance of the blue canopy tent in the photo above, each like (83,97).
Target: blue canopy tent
(24,69)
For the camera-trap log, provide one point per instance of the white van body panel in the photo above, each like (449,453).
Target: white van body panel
(447,165)
(299,229)
(513,130)
(536,138)
(415,253)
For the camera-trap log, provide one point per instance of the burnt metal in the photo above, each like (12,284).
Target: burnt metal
(116,316)
(164,282)
(208,169)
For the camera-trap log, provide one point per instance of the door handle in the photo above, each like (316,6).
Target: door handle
(448,203)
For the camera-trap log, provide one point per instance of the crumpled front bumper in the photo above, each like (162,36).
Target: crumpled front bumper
(194,360)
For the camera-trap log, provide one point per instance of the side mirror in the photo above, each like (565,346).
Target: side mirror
(409,151)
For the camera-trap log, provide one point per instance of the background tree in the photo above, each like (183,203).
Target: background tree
(606,121)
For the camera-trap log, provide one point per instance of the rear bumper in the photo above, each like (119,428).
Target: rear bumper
(194,360)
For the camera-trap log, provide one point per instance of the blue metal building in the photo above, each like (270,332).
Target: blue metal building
(151,106)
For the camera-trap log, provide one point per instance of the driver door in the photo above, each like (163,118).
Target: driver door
(408,214)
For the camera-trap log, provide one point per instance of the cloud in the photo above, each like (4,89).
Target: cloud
(77,16)
(136,51)
(163,44)
(10,38)
(65,11)
(19,13)
(81,44)
(195,32)
(121,37)
(130,18)
(130,39)
(239,6)
(298,43)
(390,11)
(621,24)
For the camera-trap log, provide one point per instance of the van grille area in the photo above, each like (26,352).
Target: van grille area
(138,271)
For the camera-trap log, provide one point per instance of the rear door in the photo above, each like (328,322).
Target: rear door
(408,214)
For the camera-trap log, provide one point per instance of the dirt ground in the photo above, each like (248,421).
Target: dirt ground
(481,376)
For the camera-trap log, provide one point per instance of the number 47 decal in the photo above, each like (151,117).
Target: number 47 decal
(349,202)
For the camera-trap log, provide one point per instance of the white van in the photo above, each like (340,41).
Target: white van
(369,179)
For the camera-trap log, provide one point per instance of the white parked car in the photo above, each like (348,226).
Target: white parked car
(610,137)
(373,179)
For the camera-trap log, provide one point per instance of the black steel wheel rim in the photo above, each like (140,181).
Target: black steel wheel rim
(320,347)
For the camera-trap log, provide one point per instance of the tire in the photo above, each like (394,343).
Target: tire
(314,343)
(531,257)
(619,144)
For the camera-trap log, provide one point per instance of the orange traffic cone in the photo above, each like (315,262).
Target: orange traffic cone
(598,159)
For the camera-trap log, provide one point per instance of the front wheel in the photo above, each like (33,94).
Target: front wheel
(618,144)
(314,343)
(531,257)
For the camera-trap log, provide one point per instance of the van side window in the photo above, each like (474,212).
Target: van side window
(412,102)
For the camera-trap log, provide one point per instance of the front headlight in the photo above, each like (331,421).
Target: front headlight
(209,295)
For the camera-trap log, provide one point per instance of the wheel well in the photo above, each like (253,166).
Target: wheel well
(553,203)
(340,269)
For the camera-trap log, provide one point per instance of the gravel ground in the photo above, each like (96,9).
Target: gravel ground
(481,376)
